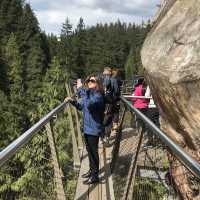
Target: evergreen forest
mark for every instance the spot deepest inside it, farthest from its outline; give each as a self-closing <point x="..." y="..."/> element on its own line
<point x="34" y="67"/>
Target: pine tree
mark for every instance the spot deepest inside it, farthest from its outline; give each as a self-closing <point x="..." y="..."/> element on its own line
<point x="66" y="50"/>
<point x="10" y="13"/>
<point x="66" y="30"/>
<point x="34" y="59"/>
<point x="95" y="57"/>
<point x="80" y="49"/>
<point x="130" y="67"/>
<point x="54" y="46"/>
<point x="14" y="71"/>
<point x="16" y="87"/>
<point x="23" y="64"/>
<point x="3" y="76"/>
<point x="93" y="48"/>
<point x="53" y="90"/>
<point x="53" y="94"/>
<point x="4" y="120"/>
<point x="14" y="113"/>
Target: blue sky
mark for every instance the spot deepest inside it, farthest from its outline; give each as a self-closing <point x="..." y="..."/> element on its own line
<point x="52" y="13"/>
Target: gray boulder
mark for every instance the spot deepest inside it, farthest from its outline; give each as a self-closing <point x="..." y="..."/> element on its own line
<point x="171" y="58"/>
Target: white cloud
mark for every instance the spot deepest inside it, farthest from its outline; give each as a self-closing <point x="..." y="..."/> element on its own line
<point x="51" y="14"/>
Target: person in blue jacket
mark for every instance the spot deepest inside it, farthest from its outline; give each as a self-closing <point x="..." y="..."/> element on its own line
<point x="92" y="104"/>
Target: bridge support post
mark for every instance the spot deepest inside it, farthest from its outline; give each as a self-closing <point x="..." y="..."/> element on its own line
<point x="77" y="121"/>
<point x="128" y="192"/>
<point x="115" y="151"/>
<point x="76" y="156"/>
<point x="57" y="171"/>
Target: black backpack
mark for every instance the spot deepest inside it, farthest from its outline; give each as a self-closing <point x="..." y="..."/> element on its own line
<point x="108" y="90"/>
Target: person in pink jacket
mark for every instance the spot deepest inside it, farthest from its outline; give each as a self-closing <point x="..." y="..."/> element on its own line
<point x="139" y="103"/>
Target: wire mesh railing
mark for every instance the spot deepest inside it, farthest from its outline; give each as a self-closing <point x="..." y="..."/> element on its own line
<point x="40" y="165"/>
<point x="127" y="87"/>
<point x="150" y="166"/>
<point x="28" y="172"/>
<point x="146" y="164"/>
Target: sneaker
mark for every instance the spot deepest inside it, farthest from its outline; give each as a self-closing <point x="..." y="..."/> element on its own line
<point x="105" y="140"/>
<point x="92" y="180"/>
<point x="86" y="175"/>
<point x="148" y="145"/>
<point x="115" y="127"/>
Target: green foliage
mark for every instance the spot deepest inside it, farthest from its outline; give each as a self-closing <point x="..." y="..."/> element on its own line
<point x="79" y="42"/>
<point x="90" y="49"/>
<point x="10" y="13"/>
<point x="130" y="68"/>
<point x="53" y="90"/>
<point x="14" y="68"/>
<point x="66" y="56"/>
<point x="133" y="65"/>
<point x="149" y="189"/>
<point x="66" y="30"/>
<point x="24" y="56"/>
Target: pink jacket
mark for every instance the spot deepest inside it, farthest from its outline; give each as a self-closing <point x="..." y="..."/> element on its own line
<point x="139" y="103"/>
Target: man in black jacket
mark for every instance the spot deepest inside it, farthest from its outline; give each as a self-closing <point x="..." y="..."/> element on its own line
<point x="111" y="93"/>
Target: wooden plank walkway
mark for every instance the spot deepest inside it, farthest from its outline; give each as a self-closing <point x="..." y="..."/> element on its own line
<point x="103" y="190"/>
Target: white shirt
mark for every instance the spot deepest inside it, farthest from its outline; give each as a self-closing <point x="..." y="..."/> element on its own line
<point x="148" y="94"/>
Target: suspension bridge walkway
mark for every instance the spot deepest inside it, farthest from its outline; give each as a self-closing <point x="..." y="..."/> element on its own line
<point x="130" y="167"/>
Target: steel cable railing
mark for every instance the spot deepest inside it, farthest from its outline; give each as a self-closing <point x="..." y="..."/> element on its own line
<point x="187" y="160"/>
<point x="39" y="164"/>
<point x="25" y="137"/>
<point x="140" y="171"/>
<point x="150" y="165"/>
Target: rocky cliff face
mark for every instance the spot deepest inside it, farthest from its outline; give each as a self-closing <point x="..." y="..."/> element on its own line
<point x="171" y="57"/>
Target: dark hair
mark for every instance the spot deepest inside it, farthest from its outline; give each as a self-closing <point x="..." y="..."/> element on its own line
<point x="107" y="69"/>
<point x="98" y="81"/>
<point x="115" y="73"/>
<point x="140" y="81"/>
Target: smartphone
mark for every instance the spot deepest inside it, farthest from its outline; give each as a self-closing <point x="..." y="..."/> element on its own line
<point x="79" y="81"/>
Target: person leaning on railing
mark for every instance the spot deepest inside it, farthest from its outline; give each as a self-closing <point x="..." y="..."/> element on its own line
<point x="140" y="103"/>
<point x="93" y="106"/>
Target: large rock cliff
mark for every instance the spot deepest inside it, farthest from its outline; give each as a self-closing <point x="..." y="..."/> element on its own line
<point x="171" y="58"/>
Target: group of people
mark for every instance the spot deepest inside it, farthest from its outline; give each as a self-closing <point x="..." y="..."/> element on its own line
<point x="99" y="102"/>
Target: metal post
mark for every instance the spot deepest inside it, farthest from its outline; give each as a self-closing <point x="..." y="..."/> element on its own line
<point x="128" y="192"/>
<point x="78" y="128"/>
<point x="57" y="171"/>
<point x="77" y="161"/>
<point x="117" y="142"/>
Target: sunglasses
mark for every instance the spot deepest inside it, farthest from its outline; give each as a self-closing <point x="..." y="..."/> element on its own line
<point x="91" y="80"/>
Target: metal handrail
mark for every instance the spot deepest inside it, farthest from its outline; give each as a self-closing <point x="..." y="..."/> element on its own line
<point x="183" y="157"/>
<point x="137" y="97"/>
<point x="11" y="149"/>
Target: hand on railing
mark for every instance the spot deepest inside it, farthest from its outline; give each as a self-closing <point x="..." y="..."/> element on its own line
<point x="68" y="99"/>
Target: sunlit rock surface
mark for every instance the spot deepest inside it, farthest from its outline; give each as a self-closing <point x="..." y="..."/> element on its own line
<point x="171" y="57"/>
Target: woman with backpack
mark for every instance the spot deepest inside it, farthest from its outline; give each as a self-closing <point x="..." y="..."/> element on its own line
<point x="92" y="104"/>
